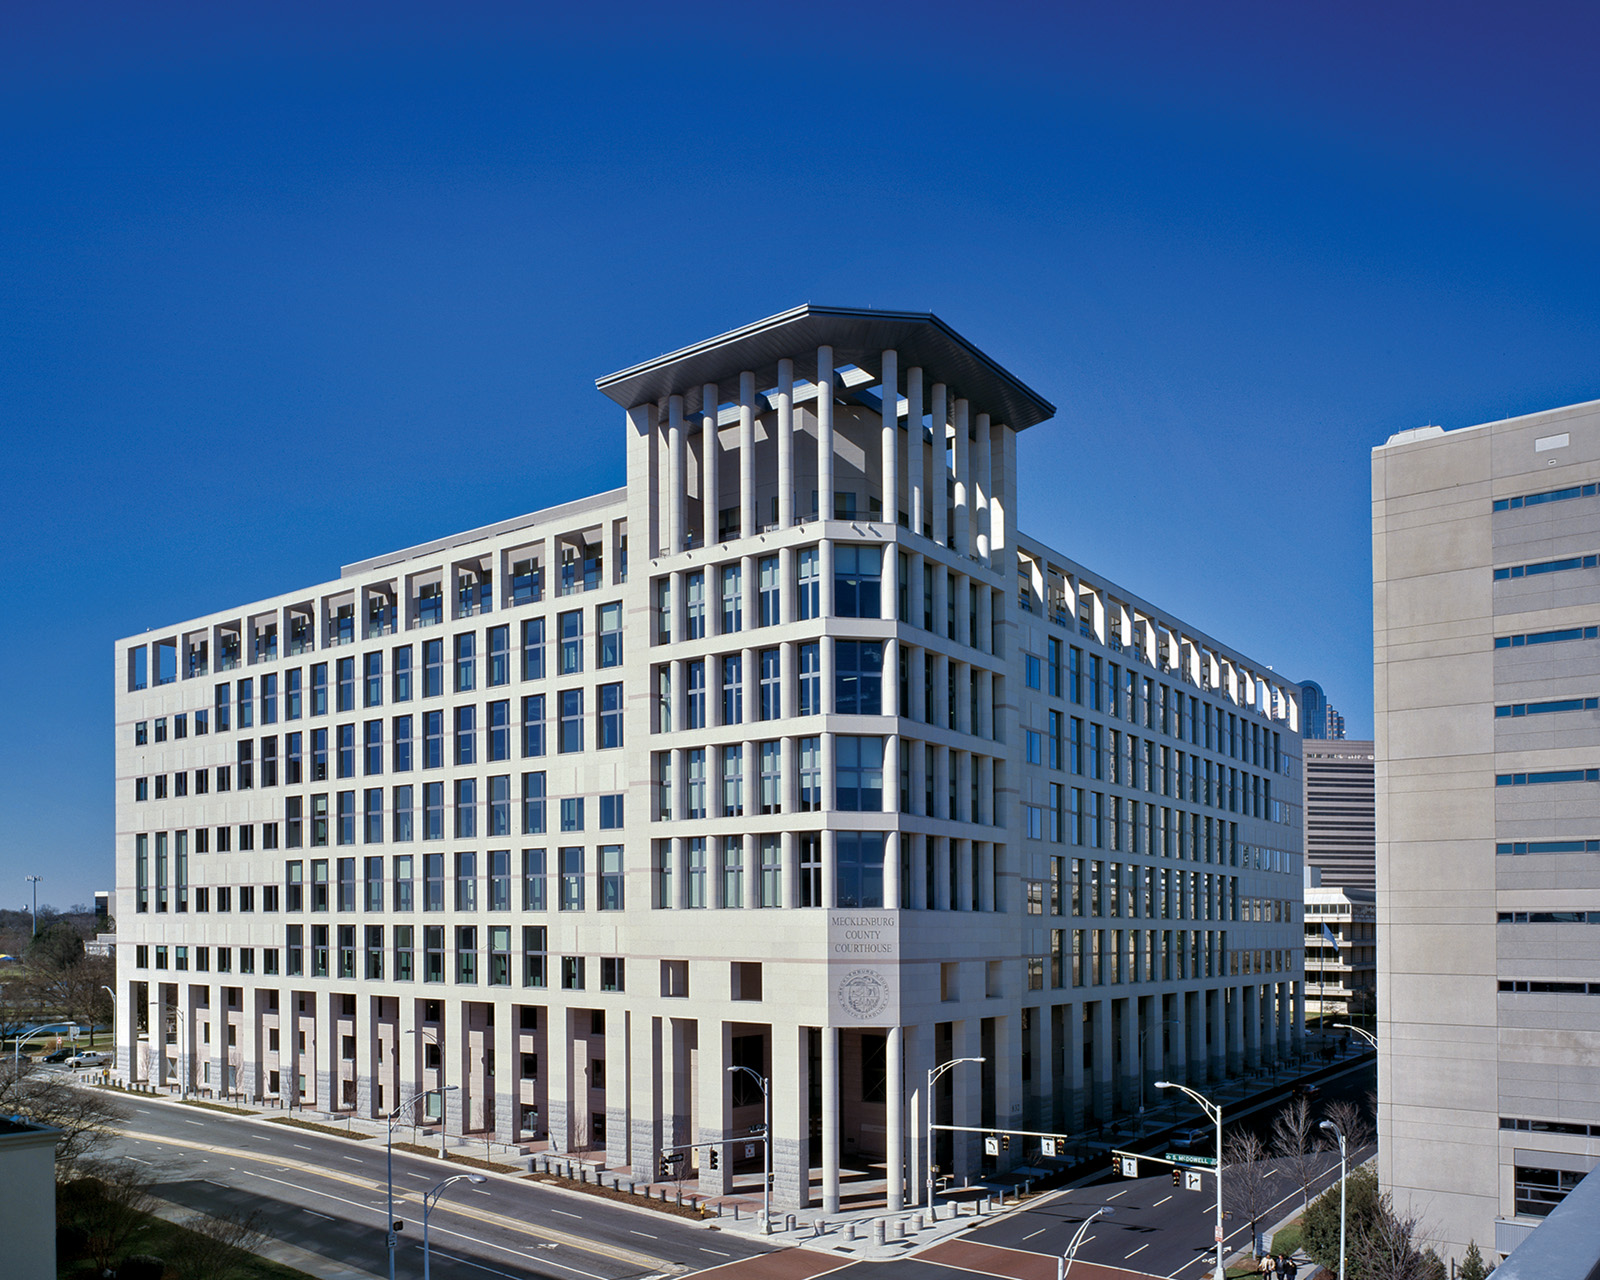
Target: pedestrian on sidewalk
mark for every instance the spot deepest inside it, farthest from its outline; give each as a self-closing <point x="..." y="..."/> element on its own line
<point x="1289" y="1267"/>
<point x="1269" y="1267"/>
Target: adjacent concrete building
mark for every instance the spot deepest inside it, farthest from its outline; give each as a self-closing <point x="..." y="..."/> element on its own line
<point x="1486" y="603"/>
<point x="1341" y="829"/>
<point x="28" y="1206"/>
<point x="794" y="754"/>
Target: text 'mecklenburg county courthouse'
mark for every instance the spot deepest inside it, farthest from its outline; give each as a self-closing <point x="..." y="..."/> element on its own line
<point x="577" y="810"/>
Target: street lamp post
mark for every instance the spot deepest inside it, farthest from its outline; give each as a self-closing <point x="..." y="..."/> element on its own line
<point x="389" y="1235"/>
<point x="1064" y="1262"/>
<point x="34" y="881"/>
<point x="1213" y="1112"/>
<point x="766" y="1146"/>
<point x="933" y="1074"/>
<point x="18" y="1042"/>
<point x="1343" y="1157"/>
<point x="429" y="1199"/>
<point x="1365" y="1035"/>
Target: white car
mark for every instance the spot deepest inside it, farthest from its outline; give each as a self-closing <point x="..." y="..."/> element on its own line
<point x="88" y="1059"/>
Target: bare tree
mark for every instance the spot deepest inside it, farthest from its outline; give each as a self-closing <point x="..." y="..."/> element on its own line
<point x="216" y="1245"/>
<point x="1246" y="1189"/>
<point x="1392" y="1248"/>
<point x="109" y="1202"/>
<point x="85" y="1117"/>
<point x="1350" y="1118"/>
<point x="1294" y="1140"/>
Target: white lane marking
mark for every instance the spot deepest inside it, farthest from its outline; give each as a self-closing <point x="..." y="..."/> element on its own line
<point x="1140" y="1249"/>
<point x="718" y="1252"/>
<point x="194" y="1122"/>
<point x="357" y="1159"/>
<point x="645" y="1234"/>
<point x="136" y="1158"/>
<point x="1160" y="1202"/>
<point x="423" y="1176"/>
<point x="1039" y="1232"/>
<point x="304" y="1148"/>
<point x="324" y="1216"/>
<point x="565" y="1214"/>
<point x="1123" y="1192"/>
<point x="543" y="1258"/>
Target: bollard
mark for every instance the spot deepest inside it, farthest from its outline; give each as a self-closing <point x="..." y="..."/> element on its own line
<point x="736" y="1211"/>
<point x="877" y="1231"/>
<point x="922" y="1222"/>
<point x="788" y="1222"/>
<point x="851" y="1227"/>
<point x="899" y="1228"/>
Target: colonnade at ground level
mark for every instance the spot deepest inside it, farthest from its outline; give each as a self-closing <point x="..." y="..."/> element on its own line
<point x="623" y="1084"/>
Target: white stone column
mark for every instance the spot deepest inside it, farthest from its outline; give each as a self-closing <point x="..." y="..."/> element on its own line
<point x="645" y="1097"/>
<point x="938" y="472"/>
<point x="619" y="1087"/>
<point x="895" y="1122"/>
<point x="891" y="859"/>
<point x="714" y="1108"/>
<point x="825" y="382"/>
<point x="677" y="477"/>
<point x="711" y="475"/>
<point x="791" y="1115"/>
<point x="786" y="469"/>
<point x="642" y="476"/>
<point x="918" y="1061"/>
<point x="507" y="1070"/>
<point x="366" y="1033"/>
<point x="962" y="460"/>
<point x="939" y="891"/>
<point x="830" y="845"/>
<point x="830" y="1107"/>
<point x="1002" y="508"/>
<point x="983" y="484"/>
<point x="966" y="1089"/>
<point x="747" y="455"/>
<point x="558" y="1078"/>
<point x="890" y="443"/>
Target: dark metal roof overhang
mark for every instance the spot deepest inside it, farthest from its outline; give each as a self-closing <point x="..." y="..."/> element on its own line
<point x="858" y="337"/>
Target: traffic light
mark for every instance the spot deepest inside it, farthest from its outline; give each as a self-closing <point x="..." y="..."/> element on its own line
<point x="665" y="1171"/>
<point x="716" y="1157"/>
<point x="1005" y="1142"/>
<point x="1177" y="1176"/>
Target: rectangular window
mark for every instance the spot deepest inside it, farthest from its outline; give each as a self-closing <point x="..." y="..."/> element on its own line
<point x="533" y="649"/>
<point x="732" y="599"/>
<point x="610" y="711"/>
<point x="571" y="862"/>
<point x="857" y="581"/>
<point x="771" y="684"/>
<point x="400" y="677"/>
<point x="500" y="880"/>
<point x="432" y="668"/>
<point x="533" y="726"/>
<point x="372" y="687"/>
<point x="466" y="882"/>
<point x="695" y="768"/>
<point x="695" y="701"/>
<point x="771" y="777"/>
<point x="345" y="686"/>
<point x="809" y="690"/>
<point x="810" y="775"/>
<point x="499" y="643"/>
<point x="858" y="677"/>
<point x="610" y="877"/>
<point x="610" y="639"/>
<point x="526" y="587"/>
<point x="771" y="871"/>
<point x="733" y="689"/>
<point x="809" y="845"/>
<point x="433" y="811"/>
<point x="466" y="665"/>
<point x="571" y="626"/>
<point x="733" y="781"/>
<point x="535" y="956"/>
<point x="533" y="880"/>
<point x="858" y="773"/>
<point x="499" y="805"/>
<point x="572" y="813"/>
<point x="570" y="730"/>
<point x="500" y="955"/>
<point x="402" y="832"/>
<point x="695" y="871"/>
<point x="466" y="738"/>
<point x="808" y="584"/>
<point x="767" y="601"/>
<point x="694" y="605"/>
<point x="401" y="751"/>
<point x="533" y="800"/>
<point x="466" y="808"/>
<point x="733" y="871"/>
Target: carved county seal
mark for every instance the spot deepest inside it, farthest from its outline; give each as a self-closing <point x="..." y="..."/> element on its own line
<point x="862" y="993"/>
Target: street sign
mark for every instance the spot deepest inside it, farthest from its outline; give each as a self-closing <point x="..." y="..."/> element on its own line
<point x="1130" y="1167"/>
<point x="1181" y="1157"/>
<point x="1047" y="1148"/>
<point x="749" y="1151"/>
<point x="1216" y="1234"/>
<point x="991" y="1146"/>
<point x="1191" y="1182"/>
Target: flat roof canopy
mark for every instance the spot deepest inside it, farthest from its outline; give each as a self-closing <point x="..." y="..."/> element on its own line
<point x="858" y="337"/>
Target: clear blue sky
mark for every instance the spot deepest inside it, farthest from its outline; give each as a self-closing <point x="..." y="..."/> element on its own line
<point x="283" y="285"/>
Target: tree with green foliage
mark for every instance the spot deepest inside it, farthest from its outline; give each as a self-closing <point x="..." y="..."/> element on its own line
<point x="1473" y="1266"/>
<point x="1319" y="1234"/>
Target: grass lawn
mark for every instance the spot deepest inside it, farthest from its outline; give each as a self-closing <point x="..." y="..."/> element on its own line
<point x="1287" y="1240"/>
<point x="159" y="1238"/>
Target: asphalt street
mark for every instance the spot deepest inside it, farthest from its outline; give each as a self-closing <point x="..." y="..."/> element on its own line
<point x="328" y="1195"/>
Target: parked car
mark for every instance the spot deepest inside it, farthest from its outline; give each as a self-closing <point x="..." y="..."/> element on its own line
<point x="1199" y="1136"/>
<point x="60" y="1055"/>
<point x="1310" y="1092"/>
<point x="88" y="1059"/>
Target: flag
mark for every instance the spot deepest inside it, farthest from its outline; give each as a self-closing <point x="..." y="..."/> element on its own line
<point x="1327" y="936"/>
